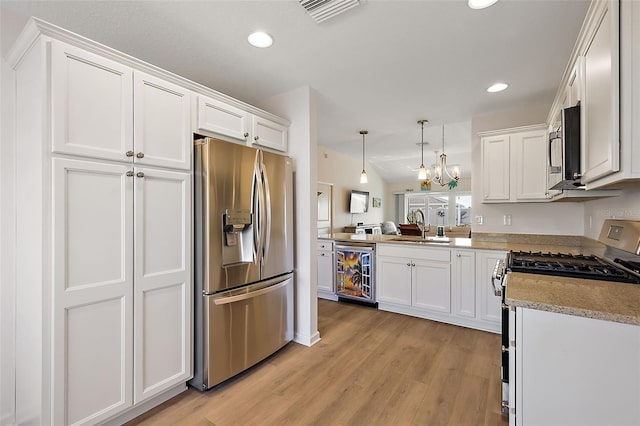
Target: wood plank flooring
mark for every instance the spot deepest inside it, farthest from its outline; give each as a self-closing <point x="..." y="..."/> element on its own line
<point x="370" y="368"/>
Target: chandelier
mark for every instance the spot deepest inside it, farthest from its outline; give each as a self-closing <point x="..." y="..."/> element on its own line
<point x="441" y="173"/>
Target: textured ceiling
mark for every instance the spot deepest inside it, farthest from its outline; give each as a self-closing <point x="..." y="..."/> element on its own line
<point x="380" y="66"/>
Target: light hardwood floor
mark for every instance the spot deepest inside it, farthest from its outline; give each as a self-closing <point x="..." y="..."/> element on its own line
<point x="370" y="368"/>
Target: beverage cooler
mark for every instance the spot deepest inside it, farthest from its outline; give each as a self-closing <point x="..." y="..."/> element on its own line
<point x="355" y="272"/>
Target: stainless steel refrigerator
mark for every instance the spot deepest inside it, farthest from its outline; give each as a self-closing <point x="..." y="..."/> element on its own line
<point x="243" y="236"/>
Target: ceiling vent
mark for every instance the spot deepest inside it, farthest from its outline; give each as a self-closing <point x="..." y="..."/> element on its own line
<point x="321" y="10"/>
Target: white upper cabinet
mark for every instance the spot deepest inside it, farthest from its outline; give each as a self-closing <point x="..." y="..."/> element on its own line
<point x="162" y="125"/>
<point x="601" y="94"/>
<point x="92" y="104"/>
<point x="529" y="150"/>
<point x="102" y="109"/>
<point x="269" y="134"/>
<point x="514" y="165"/>
<point x="221" y="118"/>
<point x="495" y="168"/>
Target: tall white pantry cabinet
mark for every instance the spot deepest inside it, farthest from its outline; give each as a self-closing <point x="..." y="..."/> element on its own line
<point x="103" y="198"/>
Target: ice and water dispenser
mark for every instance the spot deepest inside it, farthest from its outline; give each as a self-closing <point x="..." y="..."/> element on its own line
<point x="237" y="244"/>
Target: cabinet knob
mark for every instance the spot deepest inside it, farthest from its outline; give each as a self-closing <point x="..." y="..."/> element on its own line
<point x="413" y="264"/>
<point x="255" y="138"/>
<point x="246" y="135"/>
<point x="457" y="254"/>
<point x="321" y="254"/>
<point x="140" y="174"/>
<point x="140" y="155"/>
<point x="408" y="264"/>
<point x="130" y="153"/>
<point x="486" y="196"/>
<point x="129" y="173"/>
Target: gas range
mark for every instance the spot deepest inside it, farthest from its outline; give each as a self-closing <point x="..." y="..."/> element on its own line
<point x="572" y="266"/>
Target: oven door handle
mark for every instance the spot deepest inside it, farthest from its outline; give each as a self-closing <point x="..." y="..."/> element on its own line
<point x="497" y="277"/>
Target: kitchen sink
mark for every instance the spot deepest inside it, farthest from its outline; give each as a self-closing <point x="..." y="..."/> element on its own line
<point x="427" y="240"/>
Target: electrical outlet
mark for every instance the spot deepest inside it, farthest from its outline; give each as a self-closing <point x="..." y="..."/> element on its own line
<point x="479" y="220"/>
<point x="507" y="219"/>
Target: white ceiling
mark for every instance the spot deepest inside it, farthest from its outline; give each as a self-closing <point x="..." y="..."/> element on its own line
<point x="380" y="66"/>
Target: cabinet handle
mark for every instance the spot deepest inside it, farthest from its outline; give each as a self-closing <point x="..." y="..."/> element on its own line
<point x="505" y="349"/>
<point x="255" y="138"/>
<point x="129" y="173"/>
<point x="408" y="264"/>
<point x="413" y="264"/>
<point x="140" y="155"/>
<point x="130" y="153"/>
<point x="457" y="254"/>
<point x="321" y="254"/>
<point x="246" y="135"/>
<point x="140" y="174"/>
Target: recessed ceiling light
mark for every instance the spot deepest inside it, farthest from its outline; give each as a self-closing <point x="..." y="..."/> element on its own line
<point x="260" y="39"/>
<point x="481" y="4"/>
<point x="498" y="87"/>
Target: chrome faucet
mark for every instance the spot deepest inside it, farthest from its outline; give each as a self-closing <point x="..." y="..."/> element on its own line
<point x="420" y="223"/>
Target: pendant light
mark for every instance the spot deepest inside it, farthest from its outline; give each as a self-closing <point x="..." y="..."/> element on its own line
<point x="442" y="170"/>
<point x="422" y="173"/>
<point x="363" y="175"/>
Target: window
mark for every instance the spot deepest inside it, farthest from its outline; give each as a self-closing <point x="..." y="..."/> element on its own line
<point x="439" y="209"/>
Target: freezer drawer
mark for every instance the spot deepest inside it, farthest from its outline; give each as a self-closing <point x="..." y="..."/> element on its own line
<point x="245" y="326"/>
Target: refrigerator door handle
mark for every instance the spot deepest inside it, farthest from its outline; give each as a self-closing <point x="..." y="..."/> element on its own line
<point x="256" y="202"/>
<point x="266" y="237"/>
<point x="251" y="294"/>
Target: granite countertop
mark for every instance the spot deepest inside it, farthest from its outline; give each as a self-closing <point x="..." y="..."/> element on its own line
<point x="604" y="300"/>
<point x="555" y="244"/>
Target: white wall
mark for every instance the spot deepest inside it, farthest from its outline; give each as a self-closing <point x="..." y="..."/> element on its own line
<point x="625" y="206"/>
<point x="344" y="173"/>
<point x="559" y="218"/>
<point x="299" y="107"/>
<point x="7" y="249"/>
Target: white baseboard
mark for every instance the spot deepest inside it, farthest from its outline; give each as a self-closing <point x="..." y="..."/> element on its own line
<point x="138" y="410"/>
<point x="446" y="318"/>
<point x="307" y="340"/>
<point x="327" y="296"/>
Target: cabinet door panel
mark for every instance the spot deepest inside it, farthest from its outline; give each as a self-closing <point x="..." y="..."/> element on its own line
<point x="162" y="123"/>
<point x="495" y="168"/>
<point x="394" y="280"/>
<point x="93" y="290"/>
<point x="465" y="283"/>
<point x="531" y="163"/>
<point x="601" y="98"/>
<point x="490" y="304"/>
<point x="92" y="104"/>
<point x="269" y="134"/>
<point x="163" y="288"/>
<point x="217" y="117"/>
<point x="325" y="271"/>
<point x="432" y="286"/>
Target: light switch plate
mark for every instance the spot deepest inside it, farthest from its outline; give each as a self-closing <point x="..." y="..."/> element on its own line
<point x="479" y="220"/>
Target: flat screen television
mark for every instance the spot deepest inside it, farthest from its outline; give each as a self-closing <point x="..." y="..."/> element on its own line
<point x="358" y="201"/>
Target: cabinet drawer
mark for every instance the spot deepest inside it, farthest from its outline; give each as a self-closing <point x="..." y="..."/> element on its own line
<point x="324" y="245"/>
<point x="422" y="253"/>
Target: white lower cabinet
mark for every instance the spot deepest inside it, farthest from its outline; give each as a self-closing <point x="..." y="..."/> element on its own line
<point x="464" y="283"/>
<point x="441" y="284"/>
<point x="326" y="276"/>
<point x="489" y="305"/>
<point x="431" y="285"/>
<point x="121" y="291"/>
<point x="574" y="370"/>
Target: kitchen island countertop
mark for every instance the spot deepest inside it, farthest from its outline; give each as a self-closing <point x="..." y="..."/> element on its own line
<point x="604" y="300"/>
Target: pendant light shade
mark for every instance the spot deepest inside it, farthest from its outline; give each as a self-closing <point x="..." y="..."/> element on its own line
<point x="363" y="175"/>
<point x="422" y="173"/>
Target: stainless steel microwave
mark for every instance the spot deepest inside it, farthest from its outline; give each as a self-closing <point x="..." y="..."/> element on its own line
<point x="564" y="151"/>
